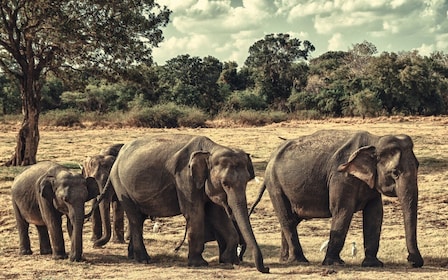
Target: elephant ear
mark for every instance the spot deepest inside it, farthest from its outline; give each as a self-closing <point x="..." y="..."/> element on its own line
<point x="199" y="168"/>
<point x="250" y="167"/>
<point x="92" y="188"/>
<point x="46" y="187"/>
<point x="362" y="165"/>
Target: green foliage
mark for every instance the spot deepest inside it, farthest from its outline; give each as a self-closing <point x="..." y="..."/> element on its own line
<point x="51" y="93"/>
<point x="167" y="115"/>
<point x="10" y="102"/>
<point x="270" y="62"/>
<point x="366" y="104"/>
<point x="193" y="82"/>
<point x="68" y="118"/>
<point x="245" y="100"/>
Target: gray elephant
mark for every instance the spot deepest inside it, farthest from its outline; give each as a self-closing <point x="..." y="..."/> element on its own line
<point x="41" y="195"/>
<point x="335" y="174"/>
<point x="168" y="175"/>
<point x="216" y="230"/>
<point x="98" y="167"/>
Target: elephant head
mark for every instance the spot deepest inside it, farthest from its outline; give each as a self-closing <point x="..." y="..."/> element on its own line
<point x="68" y="192"/>
<point x="99" y="167"/>
<point x="391" y="167"/>
<point x="224" y="174"/>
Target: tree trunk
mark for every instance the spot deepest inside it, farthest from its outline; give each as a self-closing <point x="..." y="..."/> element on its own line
<point x="28" y="137"/>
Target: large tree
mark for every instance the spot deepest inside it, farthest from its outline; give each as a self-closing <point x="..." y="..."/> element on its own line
<point x="270" y="62"/>
<point x="38" y="36"/>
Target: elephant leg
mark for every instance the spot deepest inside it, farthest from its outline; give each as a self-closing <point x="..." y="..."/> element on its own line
<point x="44" y="240"/>
<point x="225" y="233"/>
<point x="372" y="222"/>
<point x="54" y="225"/>
<point x="195" y="236"/>
<point x="118" y="232"/>
<point x="23" y="229"/>
<point x="339" y="227"/>
<point x="97" y="229"/>
<point x="136" y="247"/>
<point x="291" y="250"/>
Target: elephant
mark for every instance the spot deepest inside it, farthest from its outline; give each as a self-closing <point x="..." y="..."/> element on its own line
<point x="335" y="173"/>
<point x="216" y="230"/>
<point x="173" y="174"/>
<point x="43" y="193"/>
<point x="98" y="167"/>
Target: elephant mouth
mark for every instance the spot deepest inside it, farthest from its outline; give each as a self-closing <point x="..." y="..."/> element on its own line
<point x="389" y="191"/>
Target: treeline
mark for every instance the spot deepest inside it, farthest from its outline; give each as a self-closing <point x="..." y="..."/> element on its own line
<point x="278" y="77"/>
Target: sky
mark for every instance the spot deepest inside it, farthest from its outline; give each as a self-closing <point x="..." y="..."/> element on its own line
<point x="225" y="29"/>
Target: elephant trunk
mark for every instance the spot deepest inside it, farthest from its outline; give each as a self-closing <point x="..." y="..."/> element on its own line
<point x="241" y="216"/>
<point x="77" y="221"/>
<point x="407" y="193"/>
<point x="105" y="219"/>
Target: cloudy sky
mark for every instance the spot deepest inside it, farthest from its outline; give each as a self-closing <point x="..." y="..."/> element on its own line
<point x="226" y="29"/>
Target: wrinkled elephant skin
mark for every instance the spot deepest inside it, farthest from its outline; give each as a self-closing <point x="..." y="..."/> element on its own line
<point x="41" y="195"/>
<point x="167" y="175"/>
<point x="335" y="174"/>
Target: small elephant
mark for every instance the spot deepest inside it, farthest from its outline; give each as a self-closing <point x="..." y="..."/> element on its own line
<point x="41" y="195"/>
<point x="226" y="234"/>
<point x="335" y="174"/>
<point x="168" y="175"/>
<point x="98" y="167"/>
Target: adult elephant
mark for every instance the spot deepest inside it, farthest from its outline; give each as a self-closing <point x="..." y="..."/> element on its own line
<point x="41" y="195"/>
<point x="168" y="175"/>
<point x="98" y="167"/>
<point x="335" y="174"/>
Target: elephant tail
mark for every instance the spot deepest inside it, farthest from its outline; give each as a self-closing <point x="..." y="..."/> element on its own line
<point x="260" y="195"/>
<point x="100" y="198"/>
<point x="183" y="240"/>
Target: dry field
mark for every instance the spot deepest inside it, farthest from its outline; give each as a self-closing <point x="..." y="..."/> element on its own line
<point x="71" y="146"/>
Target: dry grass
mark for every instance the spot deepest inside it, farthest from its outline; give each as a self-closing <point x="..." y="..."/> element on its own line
<point x="70" y="146"/>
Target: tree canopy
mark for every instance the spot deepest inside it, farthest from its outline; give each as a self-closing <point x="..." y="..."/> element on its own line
<point x="38" y="36"/>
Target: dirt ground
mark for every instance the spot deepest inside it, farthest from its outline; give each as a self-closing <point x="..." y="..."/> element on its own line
<point x="69" y="146"/>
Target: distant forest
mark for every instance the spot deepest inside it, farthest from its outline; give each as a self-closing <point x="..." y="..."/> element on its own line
<point x="279" y="75"/>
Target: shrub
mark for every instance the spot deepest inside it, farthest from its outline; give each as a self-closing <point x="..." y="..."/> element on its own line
<point x="245" y="100"/>
<point x="67" y="118"/>
<point x="167" y="115"/>
<point x="192" y="117"/>
<point x="256" y="118"/>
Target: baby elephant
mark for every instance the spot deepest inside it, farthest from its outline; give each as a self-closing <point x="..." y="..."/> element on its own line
<point x="41" y="195"/>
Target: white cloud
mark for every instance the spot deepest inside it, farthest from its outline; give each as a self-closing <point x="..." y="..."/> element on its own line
<point x="425" y="49"/>
<point x="226" y="29"/>
<point x="336" y="42"/>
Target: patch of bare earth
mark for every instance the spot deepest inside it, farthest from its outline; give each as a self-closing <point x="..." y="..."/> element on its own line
<point x="71" y="145"/>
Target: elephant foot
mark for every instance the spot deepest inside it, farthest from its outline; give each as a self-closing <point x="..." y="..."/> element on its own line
<point x="45" y="251"/>
<point x="142" y="259"/>
<point x="118" y="240"/>
<point x="229" y="260"/>
<point x="333" y="261"/>
<point x="415" y="260"/>
<point x="25" y="252"/>
<point x="76" y="258"/>
<point x="295" y="259"/>
<point x="197" y="262"/>
<point x="372" y="262"/>
<point x="61" y="256"/>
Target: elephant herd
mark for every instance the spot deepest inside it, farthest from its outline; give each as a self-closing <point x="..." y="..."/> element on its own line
<point x="330" y="173"/>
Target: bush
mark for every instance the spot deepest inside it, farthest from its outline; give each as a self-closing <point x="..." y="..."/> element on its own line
<point x="255" y="118"/>
<point x="167" y="115"/>
<point x="245" y="100"/>
<point x="67" y="118"/>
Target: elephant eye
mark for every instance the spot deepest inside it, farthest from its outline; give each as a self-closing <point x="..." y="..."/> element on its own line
<point x="395" y="173"/>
